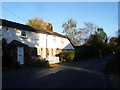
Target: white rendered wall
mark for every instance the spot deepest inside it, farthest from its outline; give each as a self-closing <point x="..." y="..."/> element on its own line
<point x="15" y="34"/>
<point x="37" y="40"/>
<point x="66" y="44"/>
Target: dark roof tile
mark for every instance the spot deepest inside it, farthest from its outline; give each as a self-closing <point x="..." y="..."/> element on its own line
<point x="27" y="28"/>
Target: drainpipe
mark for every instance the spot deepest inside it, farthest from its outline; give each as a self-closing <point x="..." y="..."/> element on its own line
<point x="46" y="45"/>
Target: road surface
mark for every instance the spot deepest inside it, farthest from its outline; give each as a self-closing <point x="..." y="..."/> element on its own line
<point x="83" y="74"/>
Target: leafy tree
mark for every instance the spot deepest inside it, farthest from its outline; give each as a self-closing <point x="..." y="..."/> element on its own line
<point x="39" y="24"/>
<point x="71" y="31"/>
<point x="77" y="35"/>
<point x="101" y="35"/>
<point x="113" y="42"/>
<point x="118" y="48"/>
<point x="98" y="39"/>
<point x="88" y="30"/>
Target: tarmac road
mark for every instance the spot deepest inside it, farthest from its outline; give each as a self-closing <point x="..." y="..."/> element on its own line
<point x="83" y="74"/>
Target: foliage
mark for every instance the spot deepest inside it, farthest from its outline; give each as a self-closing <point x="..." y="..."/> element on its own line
<point x="77" y="35"/>
<point x="113" y="43"/>
<point x="83" y="52"/>
<point x="98" y="39"/>
<point x="117" y="49"/>
<point x="37" y="63"/>
<point x="34" y="60"/>
<point x="40" y="24"/>
<point x="67" y="56"/>
<point x="70" y="30"/>
<point x="102" y="36"/>
<point x="107" y="49"/>
<point x="88" y="30"/>
<point x="113" y="66"/>
<point x="96" y="45"/>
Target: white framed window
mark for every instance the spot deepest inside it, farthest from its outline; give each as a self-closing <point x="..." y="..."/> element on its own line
<point x="41" y="52"/>
<point x="38" y="51"/>
<point x="23" y="33"/>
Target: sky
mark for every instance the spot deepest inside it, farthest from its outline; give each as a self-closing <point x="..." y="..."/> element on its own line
<point x="102" y="14"/>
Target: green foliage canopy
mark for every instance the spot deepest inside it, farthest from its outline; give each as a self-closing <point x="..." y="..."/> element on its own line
<point x="99" y="37"/>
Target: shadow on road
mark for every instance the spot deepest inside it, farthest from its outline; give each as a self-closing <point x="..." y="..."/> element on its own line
<point x="83" y="74"/>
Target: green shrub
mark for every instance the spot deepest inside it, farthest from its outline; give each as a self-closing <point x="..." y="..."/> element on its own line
<point x="107" y="49"/>
<point x="67" y="56"/>
<point x="117" y="51"/>
<point x="83" y="52"/>
<point x="38" y="63"/>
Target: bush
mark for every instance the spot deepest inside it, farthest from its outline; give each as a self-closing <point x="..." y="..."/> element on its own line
<point x="113" y="66"/>
<point x="66" y="56"/>
<point x="107" y="49"/>
<point x="117" y="51"/>
<point x="83" y="52"/>
<point x="38" y="63"/>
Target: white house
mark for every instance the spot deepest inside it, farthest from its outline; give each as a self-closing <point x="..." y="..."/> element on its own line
<point x="45" y="44"/>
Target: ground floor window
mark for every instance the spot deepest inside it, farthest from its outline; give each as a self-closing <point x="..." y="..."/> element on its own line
<point x="41" y="52"/>
<point x="52" y="51"/>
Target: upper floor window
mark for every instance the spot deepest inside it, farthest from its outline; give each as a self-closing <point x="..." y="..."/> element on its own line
<point x="23" y="33"/>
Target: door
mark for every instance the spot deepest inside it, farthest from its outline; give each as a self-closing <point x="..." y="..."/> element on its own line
<point x="20" y="55"/>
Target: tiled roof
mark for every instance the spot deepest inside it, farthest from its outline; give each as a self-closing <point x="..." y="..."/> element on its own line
<point x="16" y="43"/>
<point x="11" y="24"/>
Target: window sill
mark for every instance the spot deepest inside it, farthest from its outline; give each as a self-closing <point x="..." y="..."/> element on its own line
<point x="24" y="37"/>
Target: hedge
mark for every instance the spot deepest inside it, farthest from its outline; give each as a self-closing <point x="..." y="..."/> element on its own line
<point x="67" y="56"/>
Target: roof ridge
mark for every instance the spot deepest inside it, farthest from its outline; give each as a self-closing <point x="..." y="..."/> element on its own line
<point x="28" y="28"/>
